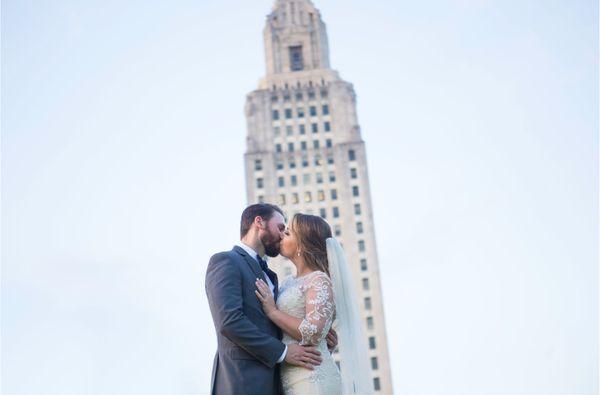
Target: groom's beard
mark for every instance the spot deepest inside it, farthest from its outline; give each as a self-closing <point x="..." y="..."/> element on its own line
<point x="271" y="244"/>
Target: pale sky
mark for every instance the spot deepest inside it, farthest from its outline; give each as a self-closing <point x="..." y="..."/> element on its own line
<point x="122" y="172"/>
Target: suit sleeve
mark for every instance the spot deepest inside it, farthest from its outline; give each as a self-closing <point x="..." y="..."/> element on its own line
<point x="224" y="291"/>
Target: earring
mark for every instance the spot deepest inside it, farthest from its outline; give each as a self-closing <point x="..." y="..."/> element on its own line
<point x="298" y="253"/>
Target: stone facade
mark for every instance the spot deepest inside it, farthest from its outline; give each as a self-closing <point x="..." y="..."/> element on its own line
<point x="305" y="153"/>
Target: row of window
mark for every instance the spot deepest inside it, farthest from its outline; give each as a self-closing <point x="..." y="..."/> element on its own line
<point x="308" y="196"/>
<point x="299" y="96"/>
<point x="300" y="113"/>
<point x="314" y="128"/>
<point x="318" y="161"/>
<point x="316" y="144"/>
<point x="258" y="165"/>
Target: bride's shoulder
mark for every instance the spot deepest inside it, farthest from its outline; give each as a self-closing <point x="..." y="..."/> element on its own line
<point x="317" y="277"/>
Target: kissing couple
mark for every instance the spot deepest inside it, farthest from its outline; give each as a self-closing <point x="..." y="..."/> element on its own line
<point x="278" y="339"/>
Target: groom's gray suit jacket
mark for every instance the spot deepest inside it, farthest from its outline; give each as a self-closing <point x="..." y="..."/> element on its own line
<point x="249" y="344"/>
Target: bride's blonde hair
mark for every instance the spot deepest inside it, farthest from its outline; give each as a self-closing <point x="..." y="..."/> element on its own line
<point x="311" y="233"/>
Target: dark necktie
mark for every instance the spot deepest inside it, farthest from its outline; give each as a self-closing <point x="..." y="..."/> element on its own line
<point x="270" y="274"/>
<point x="263" y="264"/>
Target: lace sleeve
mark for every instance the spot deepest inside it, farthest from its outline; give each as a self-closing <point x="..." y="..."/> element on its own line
<point x="320" y="309"/>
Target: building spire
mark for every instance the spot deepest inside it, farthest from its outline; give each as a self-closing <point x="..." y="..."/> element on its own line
<point x="295" y="38"/>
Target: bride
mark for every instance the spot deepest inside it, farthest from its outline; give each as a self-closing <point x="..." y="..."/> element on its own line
<point x="307" y="305"/>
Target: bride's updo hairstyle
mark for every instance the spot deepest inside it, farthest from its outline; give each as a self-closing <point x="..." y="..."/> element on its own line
<point x="311" y="233"/>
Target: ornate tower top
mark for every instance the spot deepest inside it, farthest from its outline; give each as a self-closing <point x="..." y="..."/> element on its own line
<point x="295" y="38"/>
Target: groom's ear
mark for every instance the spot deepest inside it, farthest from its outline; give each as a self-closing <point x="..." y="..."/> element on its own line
<point x="260" y="222"/>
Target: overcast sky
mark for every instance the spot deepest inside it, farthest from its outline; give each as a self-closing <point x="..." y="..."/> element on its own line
<point x="122" y="171"/>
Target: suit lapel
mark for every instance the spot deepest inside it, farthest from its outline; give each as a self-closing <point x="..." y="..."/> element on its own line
<point x="250" y="261"/>
<point x="257" y="270"/>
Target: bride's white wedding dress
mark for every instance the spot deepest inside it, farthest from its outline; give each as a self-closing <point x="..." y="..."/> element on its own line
<point x="310" y="297"/>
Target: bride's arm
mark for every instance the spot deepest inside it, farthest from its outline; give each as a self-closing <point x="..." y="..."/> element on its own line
<point x="320" y="308"/>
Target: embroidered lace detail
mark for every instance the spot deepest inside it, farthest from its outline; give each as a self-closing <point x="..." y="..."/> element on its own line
<point x="310" y="297"/>
<point x="320" y="309"/>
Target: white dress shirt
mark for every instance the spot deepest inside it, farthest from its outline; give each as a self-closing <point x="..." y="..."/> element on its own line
<point x="254" y="255"/>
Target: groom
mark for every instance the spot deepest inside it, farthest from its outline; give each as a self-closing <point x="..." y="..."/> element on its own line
<point x="249" y="347"/>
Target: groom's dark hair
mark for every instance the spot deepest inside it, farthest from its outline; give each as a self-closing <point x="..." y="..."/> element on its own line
<point x="263" y="210"/>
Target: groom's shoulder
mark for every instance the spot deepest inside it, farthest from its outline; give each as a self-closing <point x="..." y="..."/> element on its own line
<point x="224" y="256"/>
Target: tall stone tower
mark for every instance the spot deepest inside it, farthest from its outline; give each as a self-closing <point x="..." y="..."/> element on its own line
<point x="305" y="152"/>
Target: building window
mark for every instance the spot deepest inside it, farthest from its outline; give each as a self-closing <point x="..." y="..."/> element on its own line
<point x="319" y="177"/>
<point x="291" y="149"/>
<point x="302" y="128"/>
<point x="351" y="155"/>
<point x="311" y="95"/>
<point x="316" y="144"/>
<point x="288" y="113"/>
<point x="275" y="115"/>
<point x="327" y="126"/>
<point x="313" y="111"/>
<point x="363" y="264"/>
<point x="292" y="163"/>
<point x="325" y="109"/>
<point x="274" y="98"/>
<point x="296" y="62"/>
<point x="365" y="284"/>
<point x="321" y="196"/>
<point x="277" y="130"/>
<point x="330" y="159"/>
<point x="318" y="161"/>
<point x="372" y="344"/>
<point x="359" y="227"/>
<point x="307" y="197"/>
<point x="281" y="181"/>
<point x="338" y="230"/>
<point x="328" y="143"/>
<point x="261" y="199"/>
<point x="334" y="194"/>
<point x="289" y="131"/>
<point x="355" y="190"/>
<point x="278" y="147"/>
<point x="374" y="364"/>
<point x="336" y="212"/>
<point x="323" y="93"/>
<point x="331" y="176"/>
<point x="279" y="165"/>
<point x="368" y="306"/>
<point x="259" y="183"/>
<point x="369" y="322"/>
<point x="294" y="180"/>
<point x="300" y="112"/>
<point x="376" y="384"/>
<point x="303" y="145"/>
<point x="282" y="199"/>
<point x="257" y="164"/>
<point x="323" y="213"/>
<point x="295" y="198"/>
<point x="357" y="209"/>
<point x="299" y="96"/>
<point x="361" y="245"/>
<point x="306" y="179"/>
<point x="304" y="162"/>
<point x="353" y="173"/>
<point x="286" y="97"/>
<point x="315" y="128"/>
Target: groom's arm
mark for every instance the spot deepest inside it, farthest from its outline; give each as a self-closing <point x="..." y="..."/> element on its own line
<point x="224" y="291"/>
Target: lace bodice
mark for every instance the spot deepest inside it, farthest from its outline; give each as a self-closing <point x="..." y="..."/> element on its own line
<point x="309" y="297"/>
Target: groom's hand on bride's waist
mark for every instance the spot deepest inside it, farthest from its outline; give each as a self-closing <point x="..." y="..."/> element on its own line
<point x="305" y="356"/>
